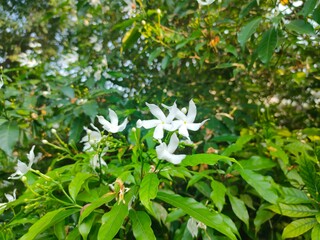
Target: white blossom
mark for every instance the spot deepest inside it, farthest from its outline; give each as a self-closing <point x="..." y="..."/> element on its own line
<point x="91" y="139"/>
<point x="205" y="2"/>
<point x="112" y="126"/>
<point x="10" y="198"/>
<point x="165" y="152"/>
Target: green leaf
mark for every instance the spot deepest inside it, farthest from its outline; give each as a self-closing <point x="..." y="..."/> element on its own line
<point x="308" y="7"/>
<point x="239" y="209"/>
<point x="310" y="177"/>
<point x="112" y="221"/>
<point x="200" y="212"/>
<point x="315" y="232"/>
<point x="316" y="14"/>
<point x="218" y="194"/>
<point x="204" y="158"/>
<point x="87" y="209"/>
<point x="48" y="220"/>
<point x="148" y="189"/>
<point x="262" y="184"/>
<point x="298" y="227"/>
<point x="153" y="55"/>
<point x="238" y="145"/>
<point x="267" y="45"/>
<point x="76" y="130"/>
<point x="246" y="9"/>
<point x="68" y="92"/>
<point x="293" y="210"/>
<point x="86" y="225"/>
<point x="249" y="29"/>
<point x="141" y="225"/>
<point x="76" y="183"/>
<point x="130" y="38"/>
<point x="300" y="26"/>
<point x="90" y="109"/>
<point x="277" y="152"/>
<point x="294" y="196"/>
<point x="262" y="216"/>
<point x="9" y="135"/>
<point x="257" y="163"/>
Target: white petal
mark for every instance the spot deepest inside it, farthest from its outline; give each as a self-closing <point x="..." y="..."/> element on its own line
<point x="192" y="112"/>
<point x="123" y="125"/>
<point x="156" y="111"/>
<point x="105" y="124"/>
<point x="158" y="132"/>
<point x="183" y="130"/>
<point x="195" y="126"/>
<point x="22" y="167"/>
<point x="172" y="113"/>
<point x="149" y="123"/>
<point x="206" y="2"/>
<point x="161" y="150"/>
<point x="173" y="144"/>
<point x="175" y="159"/>
<point x="113" y="117"/>
<point x="30" y="155"/>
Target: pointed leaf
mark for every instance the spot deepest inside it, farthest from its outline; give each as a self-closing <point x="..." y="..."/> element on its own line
<point x="300" y="26"/>
<point x="148" y="189"/>
<point x="315" y="232"/>
<point x="293" y="210"/>
<point x="48" y="220"/>
<point x="130" y="38"/>
<point x="86" y="225"/>
<point x="77" y="182"/>
<point x="96" y="204"/>
<point x="9" y="135"/>
<point x="267" y="45"/>
<point x="238" y="145"/>
<point x="249" y="29"/>
<point x="308" y="7"/>
<point x="199" y="212"/>
<point x="316" y="14"/>
<point x="262" y="184"/>
<point x="298" y="227"/>
<point x="218" y="194"/>
<point x="262" y="216"/>
<point x="112" y="221"/>
<point x="239" y="209"/>
<point x="204" y="158"/>
<point x="141" y="225"/>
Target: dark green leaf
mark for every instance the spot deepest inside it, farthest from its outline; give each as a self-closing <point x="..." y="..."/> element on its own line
<point x="308" y="7"/>
<point x="76" y="130"/>
<point x="249" y="29"/>
<point x="199" y="212"/>
<point x="316" y="14"/>
<point x="148" y="189"/>
<point x="9" y="135"/>
<point x="267" y="45"/>
<point x="262" y="216"/>
<point x="153" y="55"/>
<point x="300" y="26"/>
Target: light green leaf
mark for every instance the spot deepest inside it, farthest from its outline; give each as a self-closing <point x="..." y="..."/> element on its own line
<point x="293" y="210"/>
<point x="130" y="38"/>
<point x="239" y="209"/>
<point x="315" y="232"/>
<point x="267" y="45"/>
<point x="141" y="225"/>
<point x="277" y="152"/>
<point x="218" y="194"/>
<point x="249" y="29"/>
<point x="148" y="189"/>
<point x="85" y="226"/>
<point x="298" y="227"/>
<point x="300" y="26"/>
<point x="308" y="7"/>
<point x="294" y="196"/>
<point x="262" y="184"/>
<point x="257" y="163"/>
<point x="87" y="209"/>
<point x="48" y="220"/>
<point x="199" y="212"/>
<point x="204" y="158"/>
<point x="238" y="145"/>
<point x="112" y="221"/>
<point x="9" y="135"/>
<point x="77" y="182"/>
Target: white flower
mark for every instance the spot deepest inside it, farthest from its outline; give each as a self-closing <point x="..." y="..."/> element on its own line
<point x="130" y="8"/>
<point x="10" y="198"/>
<point x="95" y="161"/>
<point x="26" y="60"/>
<point x="94" y="3"/>
<point x="112" y="126"/>
<point x="186" y="122"/>
<point x="23" y="168"/>
<point x="165" y="152"/>
<point x="92" y="138"/>
<point x="161" y="123"/>
<point x="193" y="225"/>
<point x="205" y="2"/>
<point x="1" y="82"/>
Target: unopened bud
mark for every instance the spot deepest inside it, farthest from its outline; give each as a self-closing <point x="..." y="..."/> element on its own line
<point x="143" y="22"/>
<point x="184" y="110"/>
<point x="44" y="141"/>
<point x="134" y="129"/>
<point x="24" y="179"/>
<point x="158" y="11"/>
<point x="53" y="131"/>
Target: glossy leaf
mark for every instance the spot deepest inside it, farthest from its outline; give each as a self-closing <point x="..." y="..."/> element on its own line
<point x="300" y="26"/>
<point x="96" y="204"/>
<point x="267" y="45"/>
<point x="204" y="158"/>
<point x="76" y="183"/>
<point x="85" y="226"/>
<point x="9" y="135"/>
<point x="247" y="31"/>
<point x="130" y="38"/>
<point x="218" y="194"/>
<point x="148" y="189"/>
<point x="298" y="227"/>
<point x="262" y="184"/>
<point x="199" y="212"/>
<point x="239" y="209"/>
<point x="48" y="220"/>
<point x="112" y="221"/>
<point x="315" y="232"/>
<point x="293" y="210"/>
<point x="141" y="225"/>
<point x="294" y="196"/>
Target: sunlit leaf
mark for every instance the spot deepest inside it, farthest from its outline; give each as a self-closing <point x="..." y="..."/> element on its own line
<point x="76" y="183"/>
<point x="199" y="212"/>
<point x="239" y="209"/>
<point x="210" y="159"/>
<point x="218" y="194"/>
<point x="141" y="225"/>
<point x="298" y="227"/>
<point x="315" y="232"/>
<point x="148" y="189"/>
<point x="293" y="210"/>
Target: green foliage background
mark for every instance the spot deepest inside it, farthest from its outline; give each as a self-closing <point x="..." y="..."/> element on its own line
<point x="251" y="68"/>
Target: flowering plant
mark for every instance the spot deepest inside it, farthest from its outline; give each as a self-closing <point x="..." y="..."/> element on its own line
<point x="116" y="181"/>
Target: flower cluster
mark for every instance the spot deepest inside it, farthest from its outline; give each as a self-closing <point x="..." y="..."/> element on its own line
<point x="176" y="120"/>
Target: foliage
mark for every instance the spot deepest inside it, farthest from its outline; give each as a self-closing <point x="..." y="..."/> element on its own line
<point x="252" y="171"/>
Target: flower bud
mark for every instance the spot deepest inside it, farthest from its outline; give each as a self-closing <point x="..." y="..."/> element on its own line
<point x="44" y="141"/>
<point x="158" y="11"/>
<point x="184" y="110"/>
<point x="143" y="22"/>
<point x="134" y="129"/>
<point x="53" y="131"/>
<point x="24" y="179"/>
